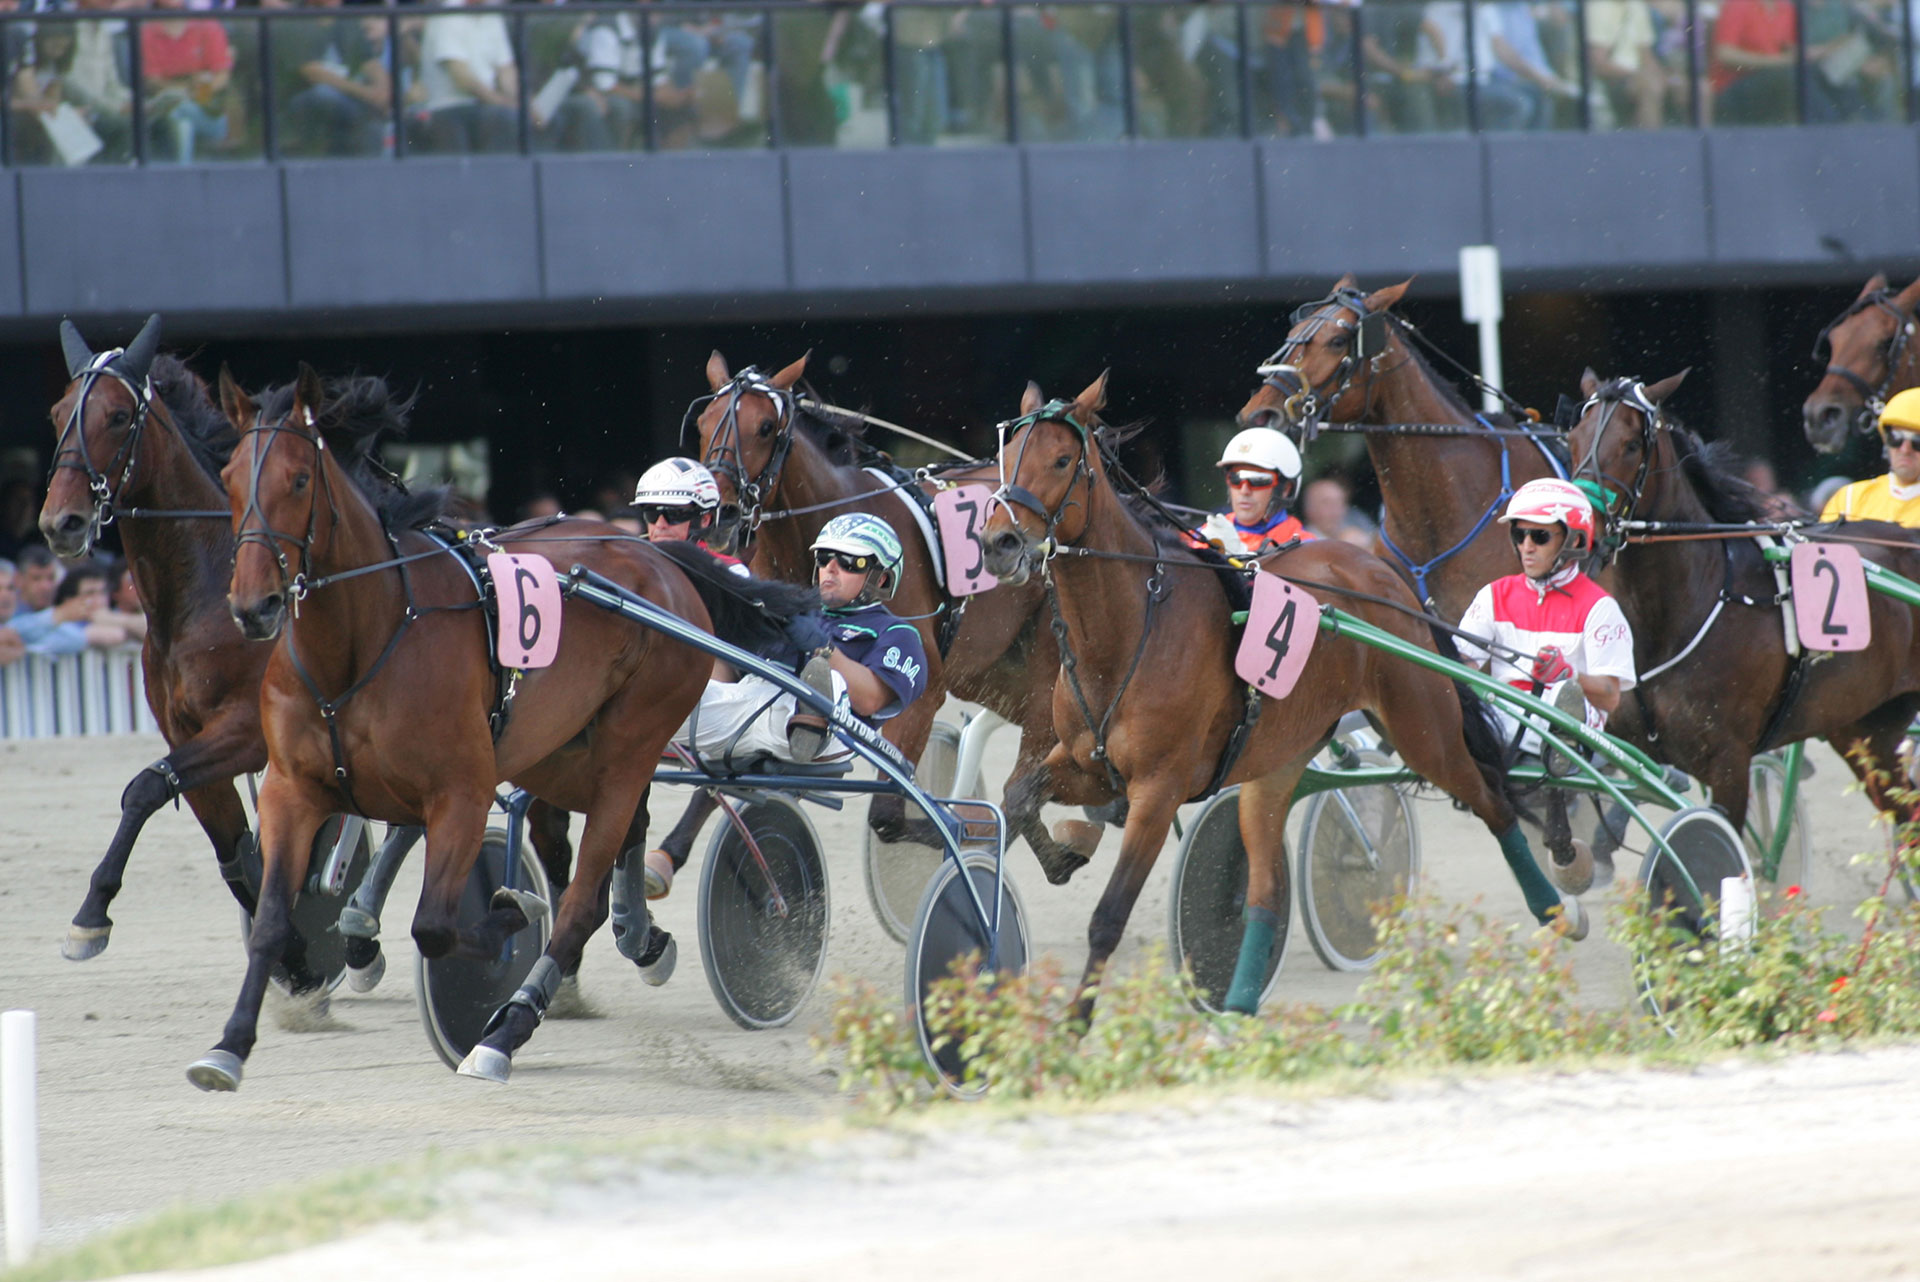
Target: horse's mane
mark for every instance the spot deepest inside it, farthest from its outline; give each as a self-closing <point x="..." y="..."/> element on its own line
<point x="1167" y="532"/>
<point x="1709" y="466"/>
<point x="839" y="434"/>
<point x="1444" y="385"/>
<point x="209" y="437"/>
<point x="360" y="411"/>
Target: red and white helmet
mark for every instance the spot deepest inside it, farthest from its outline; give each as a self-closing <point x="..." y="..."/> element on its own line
<point x="1551" y="501"/>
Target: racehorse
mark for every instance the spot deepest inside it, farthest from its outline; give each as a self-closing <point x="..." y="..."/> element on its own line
<point x="786" y="466"/>
<point x="380" y="699"/>
<point x="1870" y="356"/>
<point x="1445" y="472"/>
<point x="1149" y="706"/>
<point x="1717" y="685"/>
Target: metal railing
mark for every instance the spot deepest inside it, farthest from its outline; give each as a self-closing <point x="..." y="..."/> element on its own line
<point x="173" y="87"/>
<point x="94" y="692"/>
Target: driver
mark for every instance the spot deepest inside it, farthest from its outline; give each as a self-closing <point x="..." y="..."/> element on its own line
<point x="1894" y="497"/>
<point x="1262" y="471"/>
<point x="678" y="499"/>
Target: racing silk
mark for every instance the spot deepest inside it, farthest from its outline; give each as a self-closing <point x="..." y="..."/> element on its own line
<point x="877" y="639"/>
<point x="1879" y="499"/>
<point x="1279" y="528"/>
<point x="733" y="563"/>
<point x="1570" y="611"/>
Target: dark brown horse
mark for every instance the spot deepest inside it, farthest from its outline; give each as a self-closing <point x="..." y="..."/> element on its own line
<point x="1155" y="700"/>
<point x="1870" y="355"/>
<point x="1349" y="361"/>
<point x="1719" y="685"/>
<point x="378" y="695"/>
<point x="786" y="466"/>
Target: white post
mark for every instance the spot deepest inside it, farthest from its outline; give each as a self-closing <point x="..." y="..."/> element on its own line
<point x="1481" y="303"/>
<point x="1736" y="913"/>
<point x="19" y="1135"/>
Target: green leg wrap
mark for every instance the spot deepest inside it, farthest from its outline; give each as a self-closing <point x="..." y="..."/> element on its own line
<point x="1542" y="898"/>
<point x="1250" y="974"/>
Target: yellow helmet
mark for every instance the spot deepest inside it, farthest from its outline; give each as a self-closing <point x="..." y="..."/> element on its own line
<point x="1902" y="412"/>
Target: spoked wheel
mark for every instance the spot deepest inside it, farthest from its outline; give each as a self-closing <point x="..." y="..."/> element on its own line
<point x="898" y="871"/>
<point x="946" y="929"/>
<point x="764" y="918"/>
<point x="315" y="916"/>
<point x="1708" y="851"/>
<point x="1358" y="847"/>
<point x="458" y="995"/>
<point x="1767" y="788"/>
<point x="1207" y="907"/>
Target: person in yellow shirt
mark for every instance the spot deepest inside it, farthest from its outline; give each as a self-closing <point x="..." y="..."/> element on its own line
<point x="1894" y="497"/>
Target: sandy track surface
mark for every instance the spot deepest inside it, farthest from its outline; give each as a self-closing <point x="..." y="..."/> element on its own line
<point x="124" y="1134"/>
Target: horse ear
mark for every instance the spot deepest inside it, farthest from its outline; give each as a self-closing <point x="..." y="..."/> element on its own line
<point x="309" y="394"/>
<point x="1589" y="382"/>
<point x="1910" y="295"/>
<point x="1659" y="392"/>
<point x="1031" y="399"/>
<point x="137" y="360"/>
<point x="1345" y="282"/>
<point x="1094" y="399"/>
<point x="793" y="373"/>
<point x="1873" y="286"/>
<point x="1382" y="299"/>
<point x="718" y="375"/>
<point x="234" y="403"/>
<point x="74" y="348"/>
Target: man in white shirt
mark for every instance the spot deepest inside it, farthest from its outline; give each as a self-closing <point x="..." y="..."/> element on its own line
<point x="472" y="83"/>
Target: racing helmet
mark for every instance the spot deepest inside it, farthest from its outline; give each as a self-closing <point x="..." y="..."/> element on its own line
<point x="1902" y="413"/>
<point x="679" y="483"/>
<point x="861" y="534"/>
<point x="1263" y="447"/>
<point x="1552" y="501"/>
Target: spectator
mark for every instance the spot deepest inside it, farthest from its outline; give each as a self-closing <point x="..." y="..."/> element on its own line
<point x="1780" y="504"/>
<point x="125" y="597"/>
<point x="1753" y="62"/>
<point x="1407" y="73"/>
<point x="19" y="516"/>
<point x="39" y="576"/>
<point x="472" y="84"/>
<point x="11" y="645"/>
<point x="541" y="506"/>
<point x="69" y="625"/>
<point x="185" y="66"/>
<point x="98" y="77"/>
<point x="1326" y="509"/>
<point x="1631" y="83"/>
<point x="340" y="91"/>
<point x="1516" y="82"/>
<point x="37" y="98"/>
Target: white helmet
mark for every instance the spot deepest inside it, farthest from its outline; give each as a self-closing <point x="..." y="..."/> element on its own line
<point x="861" y="534"/>
<point x="1263" y="447"/>
<point x="677" y="482"/>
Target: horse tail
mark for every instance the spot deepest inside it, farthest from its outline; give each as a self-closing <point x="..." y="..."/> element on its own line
<point x="754" y="614"/>
<point x="1482" y="732"/>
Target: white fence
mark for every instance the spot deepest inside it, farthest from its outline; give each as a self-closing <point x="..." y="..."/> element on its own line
<point x="97" y="692"/>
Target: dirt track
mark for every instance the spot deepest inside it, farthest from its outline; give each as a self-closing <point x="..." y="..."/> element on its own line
<point x="123" y="1133"/>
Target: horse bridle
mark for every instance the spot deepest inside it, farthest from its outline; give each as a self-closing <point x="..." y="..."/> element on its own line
<point x="1304" y="404"/>
<point x="263" y="532"/>
<point x="1010" y="496"/>
<point x="723" y="454"/>
<point x="1873" y="396"/>
<point x="99" y="483"/>
<point x="1632" y="393"/>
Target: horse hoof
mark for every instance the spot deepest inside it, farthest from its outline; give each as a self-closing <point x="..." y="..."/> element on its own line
<point x="487" y="1064"/>
<point x="215" y="1071"/>
<point x="1576" y="875"/>
<point x="364" y="979"/>
<point x="83" y="942"/>
<point x="531" y="906"/>
<point x="660" y="969"/>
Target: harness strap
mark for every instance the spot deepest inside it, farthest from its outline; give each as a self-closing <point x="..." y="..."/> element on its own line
<point x="1069" y="668"/>
<point x="1236" y="744"/>
<point x="1419" y="572"/>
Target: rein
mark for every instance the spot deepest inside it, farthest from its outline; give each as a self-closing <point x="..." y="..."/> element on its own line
<point x="724" y="455"/>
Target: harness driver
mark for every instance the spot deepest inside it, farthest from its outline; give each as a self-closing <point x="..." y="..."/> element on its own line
<point x="1894" y="497"/>
<point x="1262" y="471"/>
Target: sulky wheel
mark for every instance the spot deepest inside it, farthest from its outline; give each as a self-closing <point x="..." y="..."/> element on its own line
<point x="458" y="995"/>
<point x="764" y="916"/>
<point x="1708" y="851"/>
<point x="898" y="871"/>
<point x="315" y="916"/>
<point x="1358" y="847"/>
<point x="1767" y="784"/>
<point x="947" y="930"/>
<point x="1208" y="903"/>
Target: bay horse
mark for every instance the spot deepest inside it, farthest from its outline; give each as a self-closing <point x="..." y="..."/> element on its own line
<point x="786" y="466"/>
<point x="378" y="697"/>
<point x="1717" y="684"/>
<point x="1445" y="471"/>
<point x="1154" y="702"/>
<point x="1870" y="355"/>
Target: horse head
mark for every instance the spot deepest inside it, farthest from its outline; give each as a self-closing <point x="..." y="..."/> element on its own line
<point x="1048" y="463"/>
<point x="1869" y="356"/>
<point x="273" y="483"/>
<point x="1622" y="454"/>
<point x="97" y="424"/>
<point x="1323" y="371"/>
<point x="745" y="428"/>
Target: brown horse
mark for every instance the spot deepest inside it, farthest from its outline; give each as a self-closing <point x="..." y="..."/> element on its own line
<point x="1719" y="685"/>
<point x="379" y="698"/>
<point x="1870" y="356"/>
<point x="786" y="466"/>
<point x="1349" y="362"/>
<point x="1154" y="701"/>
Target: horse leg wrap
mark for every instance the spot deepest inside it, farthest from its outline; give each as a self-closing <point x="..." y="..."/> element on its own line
<point x="1250" y="974"/>
<point x="543" y="981"/>
<point x="628" y="908"/>
<point x="163" y="768"/>
<point x="1541" y="897"/>
<point x="234" y="869"/>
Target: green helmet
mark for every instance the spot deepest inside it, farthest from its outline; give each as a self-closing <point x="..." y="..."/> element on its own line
<point x="863" y="534"/>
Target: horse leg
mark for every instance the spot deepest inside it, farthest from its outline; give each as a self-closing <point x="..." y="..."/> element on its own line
<point x="1264" y="804"/>
<point x="456" y="825"/>
<point x="547" y="830"/>
<point x="677" y="845"/>
<point x="1149" y="816"/>
<point x="1057" y="779"/>
<point x="1881" y="733"/>
<point x="360" y="919"/>
<point x="289" y="818"/>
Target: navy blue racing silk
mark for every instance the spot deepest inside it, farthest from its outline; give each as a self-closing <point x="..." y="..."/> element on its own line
<point x="874" y="637"/>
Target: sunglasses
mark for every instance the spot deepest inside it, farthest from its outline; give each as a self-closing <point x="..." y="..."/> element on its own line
<point x="1539" y="538"/>
<point x="1906" y="440"/>
<point x="1252" y="480"/>
<point x="671" y="515"/>
<point x="848" y="561"/>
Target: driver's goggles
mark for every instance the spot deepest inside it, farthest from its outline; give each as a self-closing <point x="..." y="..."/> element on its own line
<point x="848" y="561"/>
<point x="649" y="513"/>
<point x="1242" y="480"/>
<point x="1910" y="440"/>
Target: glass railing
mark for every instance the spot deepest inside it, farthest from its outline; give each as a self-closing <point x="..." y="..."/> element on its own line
<point x="104" y="86"/>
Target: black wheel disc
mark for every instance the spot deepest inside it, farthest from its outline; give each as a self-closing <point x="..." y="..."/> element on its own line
<point x="458" y="995"/>
<point x="315" y="916"/>
<point x="897" y="872"/>
<point x="946" y="930"/>
<point x="1341" y="879"/>
<point x="1709" y="850"/>
<point x="1209" y="900"/>
<point x="762" y="962"/>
